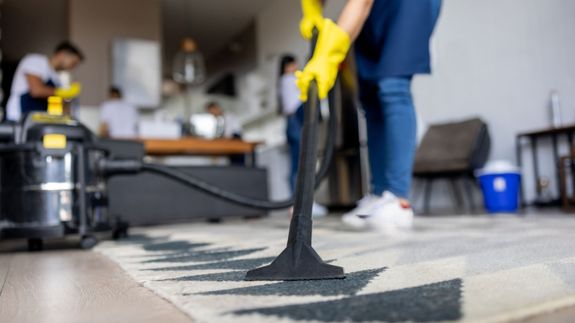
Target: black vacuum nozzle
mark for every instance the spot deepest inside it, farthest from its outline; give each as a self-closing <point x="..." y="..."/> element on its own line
<point x="299" y="261"/>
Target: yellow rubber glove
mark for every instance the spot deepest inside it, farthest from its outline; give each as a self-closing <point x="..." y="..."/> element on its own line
<point x="312" y="17"/>
<point x="69" y="93"/>
<point x="332" y="46"/>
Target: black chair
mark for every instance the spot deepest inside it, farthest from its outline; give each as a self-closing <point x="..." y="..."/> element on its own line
<point x="452" y="151"/>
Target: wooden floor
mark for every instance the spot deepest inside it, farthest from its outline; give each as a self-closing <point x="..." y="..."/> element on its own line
<point x="562" y="316"/>
<point x="75" y="286"/>
<point x="68" y="286"/>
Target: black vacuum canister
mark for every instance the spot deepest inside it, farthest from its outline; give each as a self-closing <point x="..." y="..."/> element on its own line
<point x="40" y="190"/>
<point x="49" y="182"/>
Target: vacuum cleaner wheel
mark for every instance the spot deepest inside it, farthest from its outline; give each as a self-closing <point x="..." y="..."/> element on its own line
<point x="35" y="244"/>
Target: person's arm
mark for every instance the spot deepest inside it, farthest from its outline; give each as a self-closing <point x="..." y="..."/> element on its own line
<point x="289" y="95"/>
<point x="37" y="88"/>
<point x="351" y="19"/>
<point x="105" y="116"/>
<point x="353" y="16"/>
<point x="104" y="130"/>
<point x="333" y="44"/>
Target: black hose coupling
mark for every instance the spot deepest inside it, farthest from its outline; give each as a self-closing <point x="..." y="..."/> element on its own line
<point x="110" y="167"/>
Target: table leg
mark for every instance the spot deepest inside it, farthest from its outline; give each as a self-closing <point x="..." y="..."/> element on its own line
<point x="535" y="167"/>
<point x="457" y="194"/>
<point x="571" y="149"/>
<point x="254" y="159"/>
<point x="556" y="160"/>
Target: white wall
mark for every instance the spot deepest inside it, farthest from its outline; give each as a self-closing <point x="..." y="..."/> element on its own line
<point x="497" y="59"/>
<point x="21" y="16"/>
<point x="88" y="31"/>
<point x="94" y="24"/>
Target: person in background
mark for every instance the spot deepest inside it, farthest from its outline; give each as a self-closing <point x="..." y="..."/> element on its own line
<point x="118" y="118"/>
<point x="36" y="79"/>
<point x="291" y="107"/>
<point x="391" y="46"/>
<point x="232" y="128"/>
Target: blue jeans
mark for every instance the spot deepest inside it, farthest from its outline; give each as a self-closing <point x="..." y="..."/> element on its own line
<point x="293" y="133"/>
<point x="391" y="133"/>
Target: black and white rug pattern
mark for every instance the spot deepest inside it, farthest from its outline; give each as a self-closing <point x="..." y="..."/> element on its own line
<point x="482" y="269"/>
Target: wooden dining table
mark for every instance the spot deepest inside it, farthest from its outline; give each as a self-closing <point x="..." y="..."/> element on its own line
<point x="191" y="146"/>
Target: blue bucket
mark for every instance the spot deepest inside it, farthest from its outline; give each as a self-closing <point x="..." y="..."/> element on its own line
<point x="501" y="191"/>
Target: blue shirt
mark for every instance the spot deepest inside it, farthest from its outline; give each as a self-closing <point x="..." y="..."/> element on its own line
<point x="395" y="38"/>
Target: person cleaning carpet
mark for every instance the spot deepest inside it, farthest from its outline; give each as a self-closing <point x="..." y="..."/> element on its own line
<point x="391" y="46"/>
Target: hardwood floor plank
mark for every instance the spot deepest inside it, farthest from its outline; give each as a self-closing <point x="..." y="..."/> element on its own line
<point x="5" y="261"/>
<point x="77" y="286"/>
<point x="566" y="315"/>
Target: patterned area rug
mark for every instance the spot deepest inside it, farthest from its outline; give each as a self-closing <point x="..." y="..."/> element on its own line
<point x="448" y="269"/>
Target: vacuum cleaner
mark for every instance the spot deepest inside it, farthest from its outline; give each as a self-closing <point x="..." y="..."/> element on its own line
<point x="53" y="184"/>
<point x="50" y="183"/>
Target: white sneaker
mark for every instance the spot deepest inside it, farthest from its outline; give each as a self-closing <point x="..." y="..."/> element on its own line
<point x="318" y="211"/>
<point x="355" y="218"/>
<point x="391" y="216"/>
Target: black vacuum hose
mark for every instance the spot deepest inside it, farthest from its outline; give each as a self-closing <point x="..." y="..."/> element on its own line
<point x="118" y="167"/>
<point x="214" y="190"/>
<point x="329" y="149"/>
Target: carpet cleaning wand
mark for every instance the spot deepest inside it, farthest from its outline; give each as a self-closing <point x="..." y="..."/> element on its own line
<point x="299" y="261"/>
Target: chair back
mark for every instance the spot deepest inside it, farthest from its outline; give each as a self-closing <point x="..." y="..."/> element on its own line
<point x="452" y="148"/>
